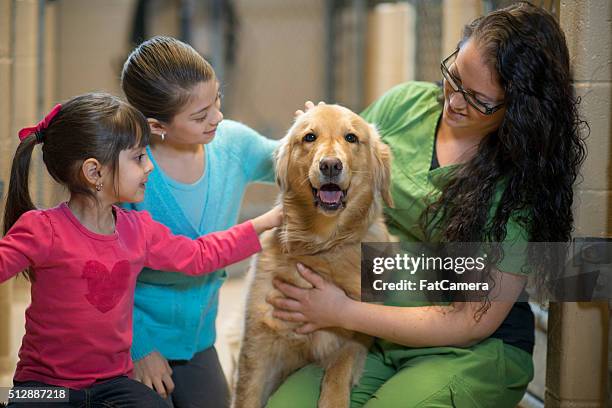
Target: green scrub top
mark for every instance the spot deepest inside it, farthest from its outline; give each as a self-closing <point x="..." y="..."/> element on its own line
<point x="406" y="118"/>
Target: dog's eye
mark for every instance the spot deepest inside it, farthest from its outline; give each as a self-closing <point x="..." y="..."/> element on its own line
<point x="310" y="137"/>
<point x="351" y="138"/>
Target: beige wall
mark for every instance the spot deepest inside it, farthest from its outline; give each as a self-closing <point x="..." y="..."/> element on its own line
<point x="6" y="62"/>
<point x="390" y="56"/>
<point x="19" y="102"/>
<point x="92" y="43"/>
<point x="280" y="62"/>
<point x="27" y="79"/>
<point x="577" y="374"/>
<point x="456" y="14"/>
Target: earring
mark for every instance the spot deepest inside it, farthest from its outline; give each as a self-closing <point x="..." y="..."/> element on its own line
<point x="163" y="136"/>
<point x="99" y="186"/>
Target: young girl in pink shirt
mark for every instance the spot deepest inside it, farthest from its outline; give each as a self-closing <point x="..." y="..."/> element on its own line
<point x="83" y="256"/>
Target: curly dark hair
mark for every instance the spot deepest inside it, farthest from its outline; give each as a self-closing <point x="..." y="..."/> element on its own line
<point x="536" y="152"/>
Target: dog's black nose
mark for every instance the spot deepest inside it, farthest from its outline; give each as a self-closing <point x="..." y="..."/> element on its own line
<point x="330" y="166"/>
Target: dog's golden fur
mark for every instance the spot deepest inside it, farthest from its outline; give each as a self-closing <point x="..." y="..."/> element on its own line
<point x="326" y="240"/>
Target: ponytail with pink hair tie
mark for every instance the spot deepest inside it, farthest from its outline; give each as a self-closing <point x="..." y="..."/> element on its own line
<point x="42" y="125"/>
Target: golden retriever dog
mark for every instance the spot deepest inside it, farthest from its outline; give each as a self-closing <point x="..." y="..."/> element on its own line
<point x="333" y="172"/>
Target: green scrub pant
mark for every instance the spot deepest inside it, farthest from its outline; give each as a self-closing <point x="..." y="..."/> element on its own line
<point x="488" y="374"/>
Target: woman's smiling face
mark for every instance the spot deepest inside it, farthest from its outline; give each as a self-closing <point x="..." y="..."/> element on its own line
<point x="470" y="70"/>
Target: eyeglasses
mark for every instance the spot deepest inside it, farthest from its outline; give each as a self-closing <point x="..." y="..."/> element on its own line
<point x="470" y="98"/>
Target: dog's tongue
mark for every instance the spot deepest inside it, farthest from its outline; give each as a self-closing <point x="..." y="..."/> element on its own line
<point x="330" y="197"/>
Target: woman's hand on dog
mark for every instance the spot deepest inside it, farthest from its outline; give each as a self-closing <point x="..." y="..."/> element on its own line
<point x="317" y="307"/>
<point x="307" y="106"/>
<point x="154" y="371"/>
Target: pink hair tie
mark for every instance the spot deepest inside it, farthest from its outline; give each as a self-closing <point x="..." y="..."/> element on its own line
<point x="42" y="125"/>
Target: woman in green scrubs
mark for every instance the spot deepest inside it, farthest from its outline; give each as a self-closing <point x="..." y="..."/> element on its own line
<point x="494" y="154"/>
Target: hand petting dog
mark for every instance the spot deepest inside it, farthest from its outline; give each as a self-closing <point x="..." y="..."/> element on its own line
<point x="317" y="308"/>
<point x="307" y="106"/>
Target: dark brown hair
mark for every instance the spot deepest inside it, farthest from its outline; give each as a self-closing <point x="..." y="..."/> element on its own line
<point x="159" y="75"/>
<point x="94" y="125"/>
<point x="536" y="152"/>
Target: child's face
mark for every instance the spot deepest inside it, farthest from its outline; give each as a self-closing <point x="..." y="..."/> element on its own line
<point x="132" y="174"/>
<point x="197" y="122"/>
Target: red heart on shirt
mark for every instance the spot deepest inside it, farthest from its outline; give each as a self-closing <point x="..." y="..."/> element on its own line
<point x="105" y="288"/>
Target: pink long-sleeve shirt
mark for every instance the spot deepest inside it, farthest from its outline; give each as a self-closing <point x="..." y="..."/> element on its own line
<point x="79" y="323"/>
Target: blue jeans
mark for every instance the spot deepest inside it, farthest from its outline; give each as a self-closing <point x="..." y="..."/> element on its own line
<point x="118" y="392"/>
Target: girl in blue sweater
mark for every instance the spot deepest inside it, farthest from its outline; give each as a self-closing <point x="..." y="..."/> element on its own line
<point x="202" y="166"/>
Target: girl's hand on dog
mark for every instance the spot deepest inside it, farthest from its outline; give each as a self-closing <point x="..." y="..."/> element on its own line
<point x="271" y="219"/>
<point x="307" y="106"/>
<point x="154" y="371"/>
<point x="317" y="307"/>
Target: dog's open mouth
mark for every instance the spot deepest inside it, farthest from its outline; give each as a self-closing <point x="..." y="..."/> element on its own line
<point x="329" y="197"/>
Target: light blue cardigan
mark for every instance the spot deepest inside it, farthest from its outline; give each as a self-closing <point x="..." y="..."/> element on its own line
<point x="174" y="313"/>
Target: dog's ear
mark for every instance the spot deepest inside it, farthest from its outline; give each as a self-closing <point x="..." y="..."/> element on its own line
<point x="281" y="157"/>
<point x="381" y="166"/>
